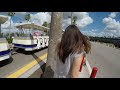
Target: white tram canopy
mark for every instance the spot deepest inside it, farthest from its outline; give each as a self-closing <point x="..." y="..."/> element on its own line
<point x="32" y="26"/>
<point x="3" y="19"/>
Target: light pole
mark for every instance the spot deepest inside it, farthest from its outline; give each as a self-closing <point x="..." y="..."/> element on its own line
<point x="0" y="28"/>
<point x="71" y="17"/>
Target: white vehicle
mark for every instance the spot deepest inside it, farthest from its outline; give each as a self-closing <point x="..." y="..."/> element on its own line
<point x="4" y="46"/>
<point x="30" y="42"/>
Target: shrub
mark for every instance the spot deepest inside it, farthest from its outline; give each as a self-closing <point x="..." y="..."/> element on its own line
<point x="9" y="40"/>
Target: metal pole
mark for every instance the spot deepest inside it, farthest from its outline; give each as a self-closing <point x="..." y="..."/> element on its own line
<point x="71" y="17"/>
<point x="94" y="72"/>
<point x="10" y="26"/>
<point x="0" y="28"/>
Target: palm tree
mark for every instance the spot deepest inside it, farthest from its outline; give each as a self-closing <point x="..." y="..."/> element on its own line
<point x="11" y="14"/>
<point x="74" y="20"/>
<point x="45" y="24"/>
<point x="27" y="17"/>
<point x="55" y="35"/>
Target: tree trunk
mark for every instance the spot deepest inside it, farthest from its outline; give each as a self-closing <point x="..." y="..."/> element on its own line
<point x="55" y="35"/>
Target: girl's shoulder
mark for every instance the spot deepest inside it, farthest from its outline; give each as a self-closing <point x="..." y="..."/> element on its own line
<point x="77" y="55"/>
<point x="84" y="53"/>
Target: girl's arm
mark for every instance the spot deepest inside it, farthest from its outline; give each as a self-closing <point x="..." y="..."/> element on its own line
<point x="76" y="67"/>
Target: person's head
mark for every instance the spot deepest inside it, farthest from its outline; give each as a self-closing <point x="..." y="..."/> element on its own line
<point x="72" y="41"/>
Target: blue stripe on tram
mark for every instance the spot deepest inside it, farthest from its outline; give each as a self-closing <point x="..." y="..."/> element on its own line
<point x="25" y="46"/>
<point x="4" y="52"/>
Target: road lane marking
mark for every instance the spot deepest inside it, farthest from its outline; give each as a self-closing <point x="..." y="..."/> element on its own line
<point x="28" y="73"/>
<point x="27" y="67"/>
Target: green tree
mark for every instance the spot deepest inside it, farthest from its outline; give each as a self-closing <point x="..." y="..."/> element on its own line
<point x="74" y="20"/>
<point x="27" y="17"/>
<point x="45" y="24"/>
<point x="12" y="34"/>
<point x="54" y="37"/>
<point x="11" y="14"/>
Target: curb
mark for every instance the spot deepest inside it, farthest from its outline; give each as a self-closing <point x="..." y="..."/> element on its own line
<point x="33" y="69"/>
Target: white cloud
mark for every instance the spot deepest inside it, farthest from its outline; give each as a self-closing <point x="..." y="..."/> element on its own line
<point x="84" y="22"/>
<point x="83" y="19"/>
<point x="37" y="18"/>
<point x="20" y="13"/>
<point x="94" y="30"/>
<point x="7" y="28"/>
<point x="113" y="14"/>
<point x="112" y="27"/>
<point x="40" y="18"/>
<point x="89" y="33"/>
<point x="111" y="23"/>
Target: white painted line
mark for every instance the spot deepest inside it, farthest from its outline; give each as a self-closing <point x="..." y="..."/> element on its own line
<point x="88" y="66"/>
<point x="84" y="73"/>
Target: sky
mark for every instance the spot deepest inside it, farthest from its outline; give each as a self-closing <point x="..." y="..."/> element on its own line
<point x="90" y="23"/>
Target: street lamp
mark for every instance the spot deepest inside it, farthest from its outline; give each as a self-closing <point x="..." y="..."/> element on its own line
<point x="71" y="17"/>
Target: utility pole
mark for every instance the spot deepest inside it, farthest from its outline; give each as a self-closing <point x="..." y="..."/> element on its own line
<point x="71" y="17"/>
<point x="0" y="28"/>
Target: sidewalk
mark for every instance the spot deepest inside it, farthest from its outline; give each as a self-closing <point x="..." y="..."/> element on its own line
<point x="36" y="71"/>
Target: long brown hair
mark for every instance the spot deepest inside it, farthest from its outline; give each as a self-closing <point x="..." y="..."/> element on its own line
<point x="73" y="41"/>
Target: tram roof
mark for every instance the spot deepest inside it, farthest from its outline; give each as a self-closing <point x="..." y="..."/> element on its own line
<point x="3" y="19"/>
<point x="32" y="26"/>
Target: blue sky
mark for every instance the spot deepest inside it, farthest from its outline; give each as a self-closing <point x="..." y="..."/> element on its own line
<point x="90" y="23"/>
<point x="97" y="17"/>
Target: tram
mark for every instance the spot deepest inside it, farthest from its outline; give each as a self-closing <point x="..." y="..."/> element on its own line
<point x="4" y="46"/>
<point x="32" y="40"/>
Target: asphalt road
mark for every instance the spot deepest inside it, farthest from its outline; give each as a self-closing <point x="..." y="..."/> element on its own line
<point x="106" y="59"/>
<point x="18" y="60"/>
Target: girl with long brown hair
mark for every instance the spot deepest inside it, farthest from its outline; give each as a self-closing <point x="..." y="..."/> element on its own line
<point x="69" y="52"/>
